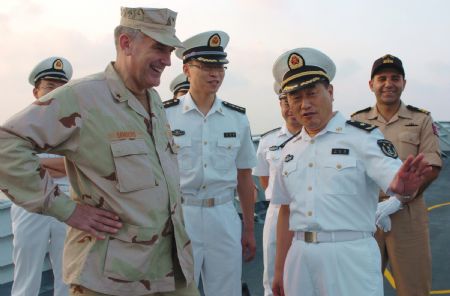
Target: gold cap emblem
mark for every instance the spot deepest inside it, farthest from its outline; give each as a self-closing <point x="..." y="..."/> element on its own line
<point x="388" y="59"/>
<point x="214" y="41"/>
<point x="295" y="61"/>
<point x="57" y="64"/>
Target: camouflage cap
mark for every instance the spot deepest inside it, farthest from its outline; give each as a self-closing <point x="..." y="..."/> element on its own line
<point x="56" y="68"/>
<point x="157" y="23"/>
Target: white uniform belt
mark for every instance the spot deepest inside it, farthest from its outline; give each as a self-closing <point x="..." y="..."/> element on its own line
<point x="330" y="236"/>
<point x="206" y="202"/>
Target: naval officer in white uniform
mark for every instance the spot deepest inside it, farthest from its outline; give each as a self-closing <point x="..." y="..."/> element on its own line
<point x="36" y="234"/>
<point x="215" y="157"/>
<point x="268" y="159"/>
<point x="328" y="186"/>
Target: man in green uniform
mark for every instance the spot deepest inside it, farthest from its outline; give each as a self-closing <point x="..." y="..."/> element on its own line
<point x="126" y="234"/>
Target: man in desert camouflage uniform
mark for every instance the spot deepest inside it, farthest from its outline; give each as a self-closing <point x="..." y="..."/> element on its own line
<point x="127" y="233"/>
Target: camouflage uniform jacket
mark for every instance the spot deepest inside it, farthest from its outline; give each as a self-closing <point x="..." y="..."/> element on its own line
<point x="118" y="158"/>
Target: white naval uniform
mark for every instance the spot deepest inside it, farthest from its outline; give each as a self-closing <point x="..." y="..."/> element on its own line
<point x="211" y="150"/>
<point x="331" y="183"/>
<point x="268" y="158"/>
<point x="34" y="235"/>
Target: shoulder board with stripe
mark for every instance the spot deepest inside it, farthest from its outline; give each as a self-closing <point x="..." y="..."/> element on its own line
<point x="415" y="109"/>
<point x="234" y="107"/>
<point x="271" y="131"/>
<point x="362" y="125"/>
<point x="170" y="103"/>
<point x="362" y="111"/>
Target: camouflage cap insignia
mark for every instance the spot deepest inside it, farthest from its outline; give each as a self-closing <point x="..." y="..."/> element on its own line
<point x="178" y="133"/>
<point x="170" y="103"/>
<point x="387" y="148"/>
<point x="214" y="41"/>
<point x="415" y="109"/>
<point x="295" y="61"/>
<point x="288" y="158"/>
<point x="234" y="107"/>
<point x="362" y="125"/>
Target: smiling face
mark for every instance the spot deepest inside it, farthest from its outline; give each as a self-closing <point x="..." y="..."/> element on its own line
<point x="204" y="77"/>
<point x="387" y="85"/>
<point x="312" y="106"/>
<point x="287" y="114"/>
<point x="147" y="59"/>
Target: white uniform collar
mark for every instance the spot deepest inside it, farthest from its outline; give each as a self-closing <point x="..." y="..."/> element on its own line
<point x="284" y="131"/>
<point x="335" y="125"/>
<point x="189" y="104"/>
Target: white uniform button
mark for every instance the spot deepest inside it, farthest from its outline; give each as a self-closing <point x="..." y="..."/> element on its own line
<point x="339" y="166"/>
<point x="206" y="142"/>
<point x="309" y="188"/>
<point x="205" y="165"/>
<point x="285" y="173"/>
<point x="310" y="165"/>
<point x="312" y="141"/>
<point x="309" y="213"/>
<point x="204" y="120"/>
<point x="204" y="187"/>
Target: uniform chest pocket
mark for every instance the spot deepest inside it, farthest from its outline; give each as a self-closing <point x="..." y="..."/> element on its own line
<point x="226" y="152"/>
<point x="133" y="167"/>
<point x="273" y="156"/>
<point x="408" y="144"/>
<point x="339" y="176"/>
<point x="185" y="156"/>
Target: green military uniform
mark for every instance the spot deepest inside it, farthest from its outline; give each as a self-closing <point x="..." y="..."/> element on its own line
<point x="118" y="158"/>
<point x="407" y="246"/>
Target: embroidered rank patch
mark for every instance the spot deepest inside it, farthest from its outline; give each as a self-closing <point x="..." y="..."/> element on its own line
<point x="387" y="148"/>
<point x="178" y="133"/>
<point x="288" y="158"/>
<point x="229" y="135"/>
<point x="274" y="148"/>
<point x="341" y="151"/>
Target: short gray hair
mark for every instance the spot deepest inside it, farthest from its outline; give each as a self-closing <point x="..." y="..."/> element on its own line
<point x="131" y="32"/>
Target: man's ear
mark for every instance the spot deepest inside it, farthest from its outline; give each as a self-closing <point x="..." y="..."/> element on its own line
<point x="125" y="44"/>
<point x="35" y="92"/>
<point x="371" y="84"/>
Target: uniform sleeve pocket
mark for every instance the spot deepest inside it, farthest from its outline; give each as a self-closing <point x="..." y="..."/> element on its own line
<point x="133" y="168"/>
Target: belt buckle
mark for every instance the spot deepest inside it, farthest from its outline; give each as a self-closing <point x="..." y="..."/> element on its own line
<point x="311" y="237"/>
<point x="209" y="202"/>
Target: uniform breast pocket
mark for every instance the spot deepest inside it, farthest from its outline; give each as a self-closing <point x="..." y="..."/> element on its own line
<point x="185" y="157"/>
<point x="273" y="157"/>
<point x="408" y="144"/>
<point x="133" y="167"/>
<point x="226" y="152"/>
<point x="339" y="176"/>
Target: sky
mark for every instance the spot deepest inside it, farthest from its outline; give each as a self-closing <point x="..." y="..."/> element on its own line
<point x="352" y="32"/>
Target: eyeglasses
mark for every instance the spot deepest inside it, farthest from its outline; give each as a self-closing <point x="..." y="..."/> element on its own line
<point x="210" y="68"/>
